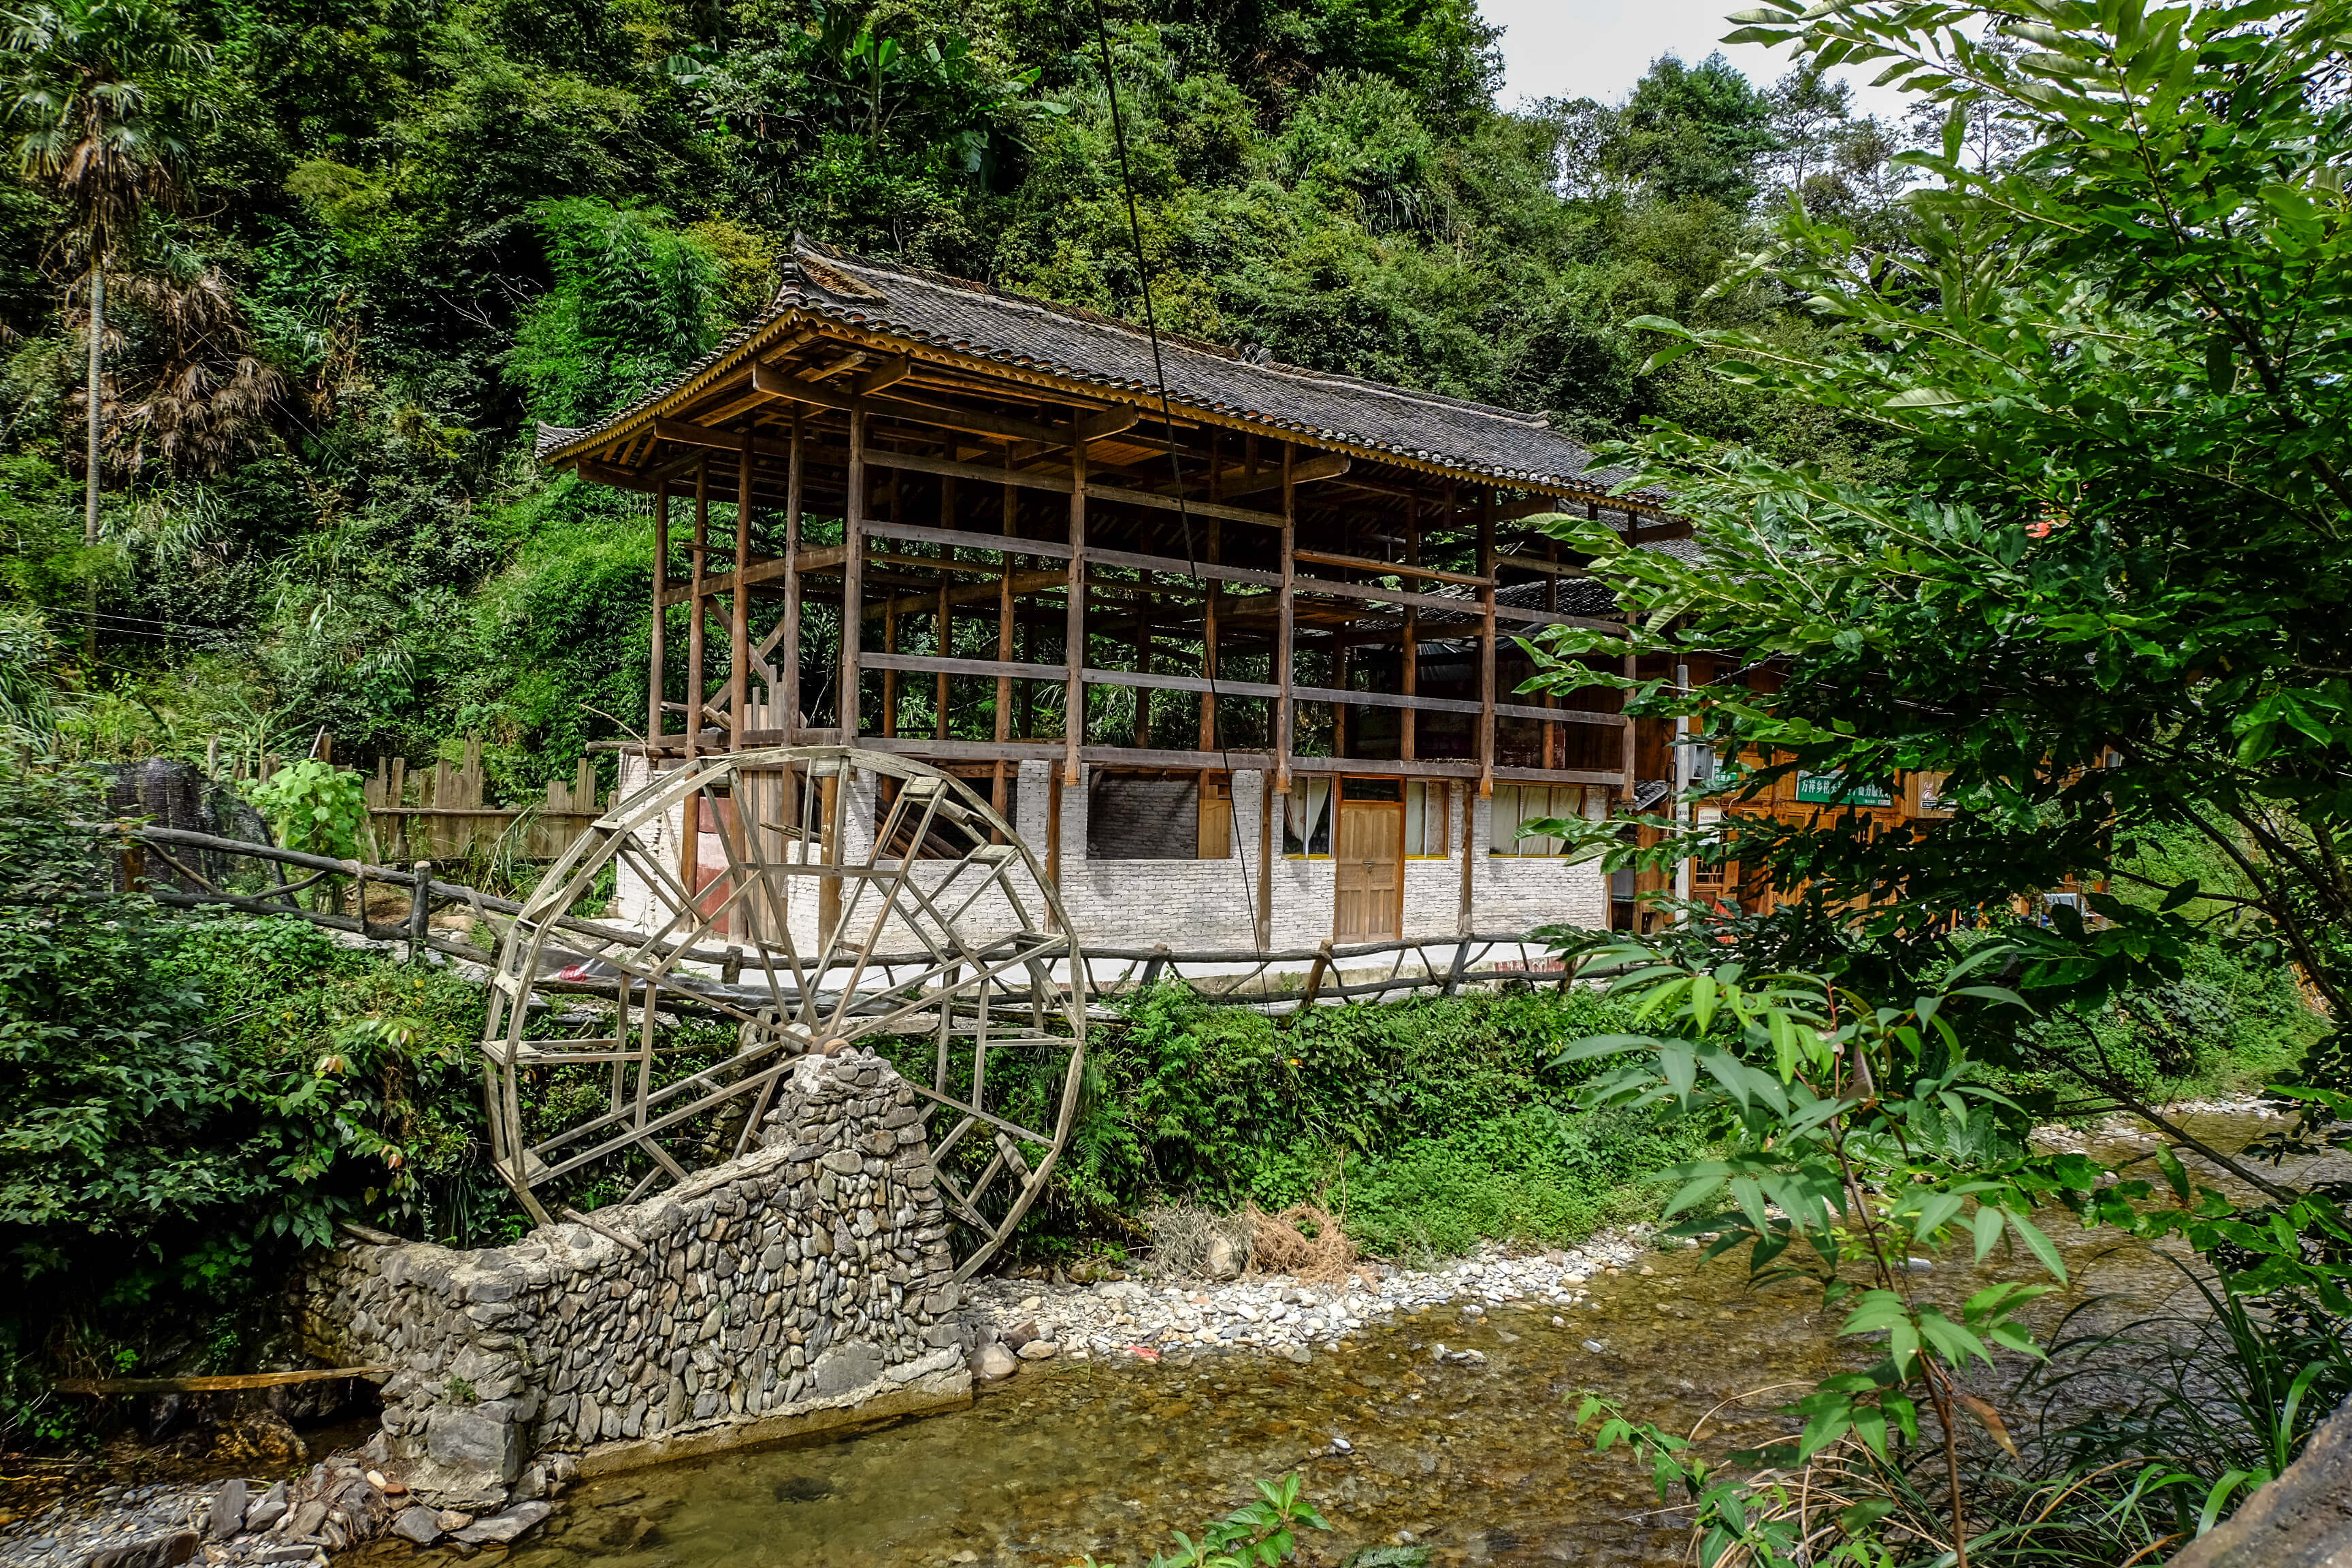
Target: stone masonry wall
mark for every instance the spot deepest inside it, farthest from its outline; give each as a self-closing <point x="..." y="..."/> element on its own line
<point x="808" y="1282"/>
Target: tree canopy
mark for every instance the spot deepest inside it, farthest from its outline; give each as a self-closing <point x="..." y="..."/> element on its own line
<point x="2103" y="593"/>
<point x="414" y="227"/>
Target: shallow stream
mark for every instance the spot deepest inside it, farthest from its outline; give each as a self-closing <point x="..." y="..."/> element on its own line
<point x="1479" y="1462"/>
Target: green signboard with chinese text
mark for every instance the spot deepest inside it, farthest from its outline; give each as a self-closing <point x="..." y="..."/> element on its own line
<point x="1833" y="789"/>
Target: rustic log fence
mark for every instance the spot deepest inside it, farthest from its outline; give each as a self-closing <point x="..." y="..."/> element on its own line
<point x="438" y="813"/>
<point x="1239" y="977"/>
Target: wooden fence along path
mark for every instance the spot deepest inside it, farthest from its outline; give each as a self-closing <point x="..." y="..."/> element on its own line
<point x="449" y="821"/>
<point x="1383" y="971"/>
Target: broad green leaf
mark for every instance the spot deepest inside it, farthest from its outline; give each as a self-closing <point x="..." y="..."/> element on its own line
<point x="2036" y="1243"/>
<point x="1987" y="1226"/>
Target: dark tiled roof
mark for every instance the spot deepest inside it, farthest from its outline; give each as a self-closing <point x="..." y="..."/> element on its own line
<point x="974" y="321"/>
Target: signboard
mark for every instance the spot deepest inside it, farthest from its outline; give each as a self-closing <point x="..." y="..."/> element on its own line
<point x="1832" y="789"/>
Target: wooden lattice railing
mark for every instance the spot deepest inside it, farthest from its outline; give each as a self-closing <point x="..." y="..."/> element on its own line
<point x="1384" y="970"/>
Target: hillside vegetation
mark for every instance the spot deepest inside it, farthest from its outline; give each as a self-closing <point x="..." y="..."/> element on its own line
<point x="354" y="247"/>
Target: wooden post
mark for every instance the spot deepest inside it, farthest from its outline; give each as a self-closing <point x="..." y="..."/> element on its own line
<point x="694" y="615"/>
<point x="1486" y="645"/>
<point x="853" y="576"/>
<point x="1627" y="756"/>
<point x="738" y="609"/>
<point x="1470" y="799"/>
<point x="1283" y="626"/>
<point x="420" y="910"/>
<point x="889" y="677"/>
<point x="656" y="721"/>
<point x="1028" y="726"/>
<point x="1410" y="655"/>
<point x="791" y="691"/>
<point x="1143" y="662"/>
<point x="1157" y="962"/>
<point x="1551" y="698"/>
<point x="1074" y="637"/>
<point x="1209" y="639"/>
<point x="1339" y="663"/>
<point x="1266" y="798"/>
<point x="1209" y="670"/>
<point x="1053" y="830"/>
<point x="1004" y="641"/>
<point x="1315" y="975"/>
<point x="1461" y="962"/>
<point x="944" y="641"/>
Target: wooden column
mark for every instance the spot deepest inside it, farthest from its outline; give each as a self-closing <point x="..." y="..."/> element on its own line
<point x="942" y="637"/>
<point x="1074" y="635"/>
<point x="1486" y="645"/>
<point x="852" y="575"/>
<point x="656" y="720"/>
<point x="1028" y="689"/>
<point x="1283" y="627"/>
<point x="1265" y="848"/>
<point x="1469" y="807"/>
<point x="996" y="797"/>
<point x="1626" y="755"/>
<point x="739" y="607"/>
<point x="1340" y="662"/>
<point x="1551" y="698"/>
<point x="1143" y="655"/>
<point x="694" y="615"/>
<point x="944" y="634"/>
<point x="1410" y="654"/>
<point x="889" y="677"/>
<point x="788" y="692"/>
<point x="1209" y="641"/>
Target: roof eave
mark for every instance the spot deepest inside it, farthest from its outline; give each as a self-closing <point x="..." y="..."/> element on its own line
<point x="785" y="315"/>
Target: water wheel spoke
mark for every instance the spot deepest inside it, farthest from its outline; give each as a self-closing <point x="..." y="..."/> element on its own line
<point x="848" y="895"/>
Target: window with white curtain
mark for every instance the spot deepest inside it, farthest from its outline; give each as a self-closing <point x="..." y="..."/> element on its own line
<point x="1517" y="804"/>
<point x="1425" y="825"/>
<point x="1307" y="818"/>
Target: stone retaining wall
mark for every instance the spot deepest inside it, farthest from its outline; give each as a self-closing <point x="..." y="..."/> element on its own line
<point x="805" y="1286"/>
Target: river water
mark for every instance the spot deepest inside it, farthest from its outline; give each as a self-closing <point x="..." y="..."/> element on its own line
<point x="1479" y="1462"/>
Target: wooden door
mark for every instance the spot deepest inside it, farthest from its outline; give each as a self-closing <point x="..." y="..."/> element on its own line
<point x="1368" y="863"/>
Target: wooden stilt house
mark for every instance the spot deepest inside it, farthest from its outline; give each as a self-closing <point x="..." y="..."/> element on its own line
<point x="1239" y="659"/>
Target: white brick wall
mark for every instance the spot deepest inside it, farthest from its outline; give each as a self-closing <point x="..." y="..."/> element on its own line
<point x="1196" y="905"/>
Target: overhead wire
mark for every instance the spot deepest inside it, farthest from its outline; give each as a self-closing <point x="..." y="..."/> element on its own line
<point x="1175" y="462"/>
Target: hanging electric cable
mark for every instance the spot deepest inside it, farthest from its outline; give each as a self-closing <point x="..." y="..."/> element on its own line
<point x="1175" y="459"/>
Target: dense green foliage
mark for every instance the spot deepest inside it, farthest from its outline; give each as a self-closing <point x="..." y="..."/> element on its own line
<point x="185" y="1105"/>
<point x="1851" y="1137"/>
<point x="2099" y="596"/>
<point x="1426" y="1126"/>
<point x="2103" y="598"/>
<point x="409" y="230"/>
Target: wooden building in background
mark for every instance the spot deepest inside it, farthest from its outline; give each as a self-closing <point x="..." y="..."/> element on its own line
<point x="1240" y="660"/>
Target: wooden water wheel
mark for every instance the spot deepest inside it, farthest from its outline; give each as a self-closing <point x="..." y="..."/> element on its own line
<point x="753" y="906"/>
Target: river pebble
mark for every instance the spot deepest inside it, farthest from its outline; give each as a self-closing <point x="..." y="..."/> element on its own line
<point x="348" y="1499"/>
<point x="1278" y="1315"/>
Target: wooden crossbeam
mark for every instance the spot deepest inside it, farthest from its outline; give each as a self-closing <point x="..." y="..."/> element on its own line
<point x="1393" y="568"/>
<point x="1152" y="680"/>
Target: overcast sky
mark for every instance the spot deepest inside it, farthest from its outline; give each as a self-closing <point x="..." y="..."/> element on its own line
<point x="1599" y="48"/>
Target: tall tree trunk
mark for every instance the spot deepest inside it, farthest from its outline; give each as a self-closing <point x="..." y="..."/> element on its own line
<point x="91" y="479"/>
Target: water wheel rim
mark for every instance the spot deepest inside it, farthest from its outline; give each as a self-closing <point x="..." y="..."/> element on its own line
<point x="646" y="965"/>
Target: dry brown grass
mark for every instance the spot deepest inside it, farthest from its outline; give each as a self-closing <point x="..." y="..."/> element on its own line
<point x="1302" y="1241"/>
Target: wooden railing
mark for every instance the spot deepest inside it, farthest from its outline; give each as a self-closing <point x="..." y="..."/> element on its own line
<point x="1235" y="977"/>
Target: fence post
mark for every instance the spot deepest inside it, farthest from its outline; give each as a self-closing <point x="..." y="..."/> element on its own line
<point x="1151" y="970"/>
<point x="134" y="864"/>
<point x="420" y="908"/>
<point x="1315" y="975"/>
<point x="1461" y="962"/>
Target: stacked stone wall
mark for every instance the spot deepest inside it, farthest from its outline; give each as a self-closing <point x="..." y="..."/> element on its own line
<point x="808" y="1283"/>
